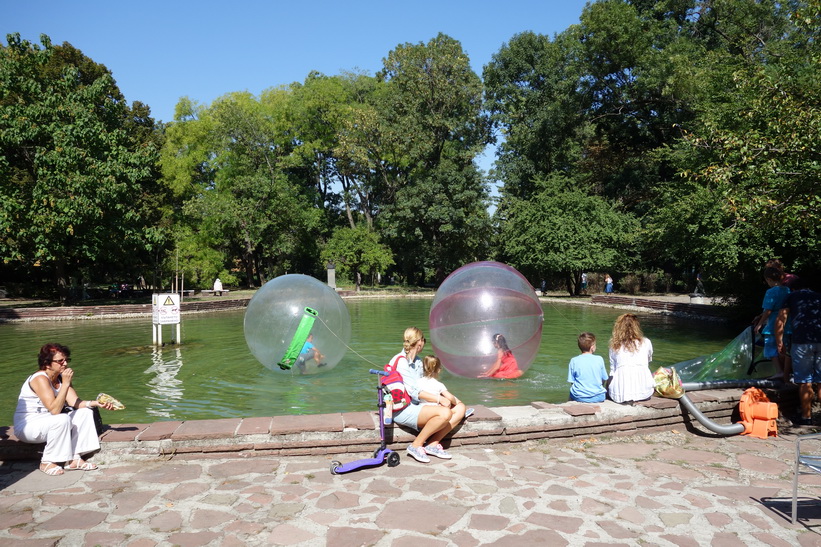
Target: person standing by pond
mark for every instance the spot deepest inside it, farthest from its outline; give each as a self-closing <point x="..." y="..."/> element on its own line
<point x="630" y="356"/>
<point x="432" y="422"/>
<point x="773" y="302"/>
<point x="699" y="290"/>
<point x="802" y="308"/>
<point x="49" y="411"/>
<point x="608" y="284"/>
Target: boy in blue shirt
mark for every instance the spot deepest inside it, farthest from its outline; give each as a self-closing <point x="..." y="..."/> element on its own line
<point x="586" y="372"/>
<point x="308" y="352"/>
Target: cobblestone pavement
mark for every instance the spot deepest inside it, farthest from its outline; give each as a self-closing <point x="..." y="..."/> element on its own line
<point x="668" y="488"/>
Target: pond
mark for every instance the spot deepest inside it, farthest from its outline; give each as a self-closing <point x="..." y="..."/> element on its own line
<point x="212" y="374"/>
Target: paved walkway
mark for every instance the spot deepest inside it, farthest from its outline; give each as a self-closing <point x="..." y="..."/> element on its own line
<point x="669" y="488"/>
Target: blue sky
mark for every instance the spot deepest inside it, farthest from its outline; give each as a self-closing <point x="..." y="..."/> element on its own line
<point x="161" y="51"/>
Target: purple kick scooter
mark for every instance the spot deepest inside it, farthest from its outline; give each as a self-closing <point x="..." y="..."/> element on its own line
<point x="381" y="454"/>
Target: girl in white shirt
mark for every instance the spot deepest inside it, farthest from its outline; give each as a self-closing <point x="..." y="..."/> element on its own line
<point x="630" y="356"/>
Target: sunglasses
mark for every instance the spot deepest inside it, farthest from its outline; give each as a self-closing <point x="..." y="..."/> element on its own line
<point x="61" y="361"/>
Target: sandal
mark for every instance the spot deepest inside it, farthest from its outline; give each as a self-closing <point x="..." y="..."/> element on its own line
<point x="51" y="469"/>
<point x="81" y="465"/>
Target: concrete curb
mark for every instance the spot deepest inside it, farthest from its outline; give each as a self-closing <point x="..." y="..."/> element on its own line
<point x="358" y="432"/>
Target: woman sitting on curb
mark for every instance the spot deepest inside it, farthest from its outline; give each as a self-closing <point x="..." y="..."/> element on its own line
<point x="432" y="421"/>
<point x="49" y="411"/>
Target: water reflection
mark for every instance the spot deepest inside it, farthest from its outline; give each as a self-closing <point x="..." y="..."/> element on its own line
<point x="165" y="386"/>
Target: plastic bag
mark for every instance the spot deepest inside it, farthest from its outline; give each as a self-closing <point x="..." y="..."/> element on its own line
<point x="668" y="384"/>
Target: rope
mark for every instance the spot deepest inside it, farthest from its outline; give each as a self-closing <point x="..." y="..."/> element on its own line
<point x="347" y="346"/>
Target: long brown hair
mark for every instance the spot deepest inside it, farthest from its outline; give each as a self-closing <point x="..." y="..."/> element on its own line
<point x="626" y="333"/>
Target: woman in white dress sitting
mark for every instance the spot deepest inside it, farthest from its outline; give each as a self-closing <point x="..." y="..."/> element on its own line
<point x="49" y="411"/>
<point x="630" y="356"/>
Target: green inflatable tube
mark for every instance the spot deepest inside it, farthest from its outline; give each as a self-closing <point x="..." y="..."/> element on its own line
<point x="299" y="339"/>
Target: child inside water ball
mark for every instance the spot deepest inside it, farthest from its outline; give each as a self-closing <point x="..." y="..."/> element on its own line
<point x="505" y="365"/>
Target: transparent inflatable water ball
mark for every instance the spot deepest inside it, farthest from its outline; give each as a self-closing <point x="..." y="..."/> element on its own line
<point x="476" y="303"/>
<point x="296" y="324"/>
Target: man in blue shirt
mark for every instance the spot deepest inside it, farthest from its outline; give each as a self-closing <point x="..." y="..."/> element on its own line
<point x="803" y="309"/>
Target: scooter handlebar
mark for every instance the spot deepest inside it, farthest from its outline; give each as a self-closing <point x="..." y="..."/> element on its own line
<point x="379" y="372"/>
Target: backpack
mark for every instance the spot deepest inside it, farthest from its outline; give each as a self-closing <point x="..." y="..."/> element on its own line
<point x="395" y="386"/>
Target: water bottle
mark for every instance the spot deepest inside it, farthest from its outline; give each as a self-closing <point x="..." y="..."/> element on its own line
<point x="387" y="415"/>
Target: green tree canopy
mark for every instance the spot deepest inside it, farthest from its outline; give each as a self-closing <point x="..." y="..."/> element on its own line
<point x="563" y="230"/>
<point x="76" y="164"/>
<point x="356" y="251"/>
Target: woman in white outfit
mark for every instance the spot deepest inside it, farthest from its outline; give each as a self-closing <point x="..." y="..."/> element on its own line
<point x="630" y="356"/>
<point x="49" y="411"/>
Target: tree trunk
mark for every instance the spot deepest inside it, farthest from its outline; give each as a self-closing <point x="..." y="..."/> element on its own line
<point x="61" y="280"/>
<point x="248" y="263"/>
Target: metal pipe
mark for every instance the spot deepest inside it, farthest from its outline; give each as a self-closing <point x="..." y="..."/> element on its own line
<point x="727" y="384"/>
<point x="721" y="429"/>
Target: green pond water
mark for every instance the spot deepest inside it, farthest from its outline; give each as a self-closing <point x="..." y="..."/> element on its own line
<point x="212" y="374"/>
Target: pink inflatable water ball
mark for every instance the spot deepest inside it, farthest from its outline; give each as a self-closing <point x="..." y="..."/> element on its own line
<point x="473" y="305"/>
<point x="284" y="312"/>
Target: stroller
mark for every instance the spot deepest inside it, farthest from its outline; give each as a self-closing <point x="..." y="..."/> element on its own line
<point x="381" y="454"/>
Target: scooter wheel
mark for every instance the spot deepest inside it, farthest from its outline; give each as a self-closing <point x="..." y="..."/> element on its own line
<point x="393" y="459"/>
<point x="334" y="465"/>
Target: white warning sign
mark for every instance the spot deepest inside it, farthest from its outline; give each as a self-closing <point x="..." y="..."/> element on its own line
<point x="166" y="309"/>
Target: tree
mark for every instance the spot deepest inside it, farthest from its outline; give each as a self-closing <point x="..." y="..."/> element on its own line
<point x="761" y="131"/>
<point x="356" y="251"/>
<point x="74" y="172"/>
<point x="322" y="111"/>
<point x="700" y="118"/>
<point x="748" y="163"/>
<point x="531" y="93"/>
<point x="434" y="204"/>
<point x="565" y="231"/>
<point x="235" y="162"/>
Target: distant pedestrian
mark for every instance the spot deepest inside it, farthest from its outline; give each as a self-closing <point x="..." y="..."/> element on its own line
<point x="699" y="285"/>
<point x="584" y="282"/>
<point x="217" y="287"/>
<point x="608" y="284"/>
